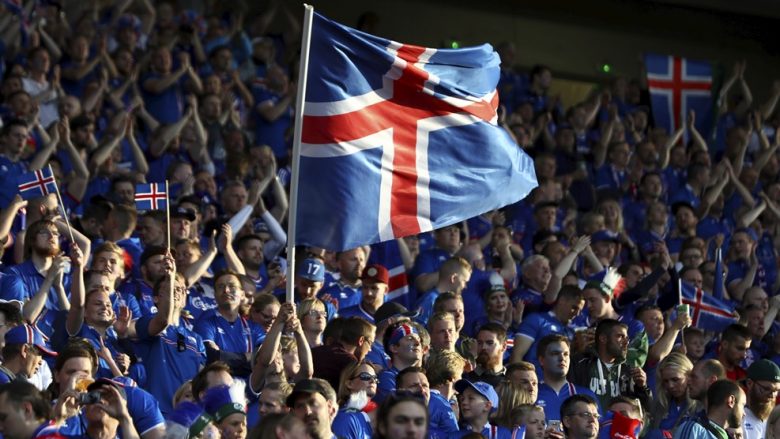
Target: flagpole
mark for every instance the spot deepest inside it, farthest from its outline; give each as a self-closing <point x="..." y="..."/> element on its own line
<point x="62" y="206"/>
<point x="300" y="98"/>
<point x="679" y="303"/>
<point x="168" y="214"/>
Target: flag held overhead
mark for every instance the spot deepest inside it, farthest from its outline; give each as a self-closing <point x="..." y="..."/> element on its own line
<point x="398" y="139"/>
<point x="37" y="184"/>
<point x="150" y="196"/>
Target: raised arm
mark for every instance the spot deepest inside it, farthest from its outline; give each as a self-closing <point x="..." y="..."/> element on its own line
<point x="75" y="317"/>
<point x="270" y="347"/>
<point x="164" y="316"/>
<point x="304" y="350"/>
<point x="33" y="307"/>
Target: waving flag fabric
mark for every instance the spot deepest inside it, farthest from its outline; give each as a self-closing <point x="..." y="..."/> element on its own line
<point x="37" y="184"/>
<point x="678" y="85"/>
<point x="399" y="139"/>
<point x="150" y="196"/>
<point x="707" y="312"/>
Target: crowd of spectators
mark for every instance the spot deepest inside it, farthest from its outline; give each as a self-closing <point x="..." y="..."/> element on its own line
<point x="553" y="317"/>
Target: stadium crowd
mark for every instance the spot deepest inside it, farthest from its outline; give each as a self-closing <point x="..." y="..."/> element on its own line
<point x="556" y="317"/>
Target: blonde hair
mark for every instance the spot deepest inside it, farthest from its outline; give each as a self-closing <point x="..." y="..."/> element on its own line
<point x="307" y="305"/>
<point x="675" y="361"/>
<point x="511" y="395"/>
<point x="347" y="374"/>
<point x="443" y="366"/>
<point x="518" y="414"/>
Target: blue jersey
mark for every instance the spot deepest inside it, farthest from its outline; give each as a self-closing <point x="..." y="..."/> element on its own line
<point x="425" y="305"/>
<point x="200" y="299"/>
<point x="551" y="401"/>
<point x="272" y="133"/>
<point x="143" y="294"/>
<point x="9" y="171"/>
<point x="142" y="406"/>
<point x="351" y="424"/>
<point x="533" y="300"/>
<point x="443" y="421"/>
<point x="378" y="356"/>
<point x="119" y="300"/>
<point x="20" y="284"/>
<point x="357" y="311"/>
<point x="607" y="177"/>
<point x="109" y="341"/>
<point x="346" y="295"/>
<point x="536" y="326"/>
<point x="386" y="384"/>
<point x="174" y="355"/>
<point x="473" y="296"/>
<point x="166" y="106"/>
<point x="241" y="336"/>
<point x="429" y="261"/>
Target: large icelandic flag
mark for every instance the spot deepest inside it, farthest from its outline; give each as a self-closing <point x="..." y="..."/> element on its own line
<point x="150" y="196"/>
<point x="37" y="184"/>
<point x="399" y="139"/>
<point x="678" y="85"/>
<point x="707" y="312"/>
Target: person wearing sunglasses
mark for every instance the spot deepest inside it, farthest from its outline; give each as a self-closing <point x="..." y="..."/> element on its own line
<point x="356" y="388"/>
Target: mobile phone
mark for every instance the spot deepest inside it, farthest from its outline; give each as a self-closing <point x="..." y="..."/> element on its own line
<point x="89" y="398"/>
<point x="556" y="425"/>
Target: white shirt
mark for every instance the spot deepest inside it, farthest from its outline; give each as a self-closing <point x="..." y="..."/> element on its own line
<point x="753" y="427"/>
<point x="49" y="112"/>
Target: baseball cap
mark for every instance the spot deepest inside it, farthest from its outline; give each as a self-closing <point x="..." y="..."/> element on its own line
<point x="764" y="370"/>
<point x="183" y="212"/>
<point x="312" y="269"/>
<point x="310" y="386"/>
<point x="495" y="288"/>
<point x="393" y="309"/>
<point x="482" y="388"/>
<point x="375" y="274"/>
<point x="26" y="334"/>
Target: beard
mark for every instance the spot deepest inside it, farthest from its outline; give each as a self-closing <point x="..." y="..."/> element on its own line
<point x="46" y="251"/>
<point x="761" y="409"/>
<point x="486" y="361"/>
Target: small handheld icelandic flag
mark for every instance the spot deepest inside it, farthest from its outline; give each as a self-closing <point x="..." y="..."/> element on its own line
<point x="150" y="196"/>
<point x="37" y="184"/>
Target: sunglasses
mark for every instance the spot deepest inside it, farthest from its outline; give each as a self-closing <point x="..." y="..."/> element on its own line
<point x="365" y="376"/>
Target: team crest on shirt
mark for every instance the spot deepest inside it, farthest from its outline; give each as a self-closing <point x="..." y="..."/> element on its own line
<point x="220" y="331"/>
<point x="554" y="328"/>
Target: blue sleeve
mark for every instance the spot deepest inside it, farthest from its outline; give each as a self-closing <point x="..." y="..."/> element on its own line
<point x="426" y="262"/>
<point x="144" y="410"/>
<point x="142" y="328"/>
<point x="258" y="333"/>
<point x="205" y="328"/>
<point x="346" y="426"/>
<point x="385" y="387"/>
<point x="530" y="326"/>
<point x="442" y="419"/>
<point x="426" y="308"/>
<point x="13" y="288"/>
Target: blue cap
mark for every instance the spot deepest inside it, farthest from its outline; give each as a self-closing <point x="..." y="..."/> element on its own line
<point x="312" y="269"/>
<point x="191" y="416"/>
<point x="27" y="334"/>
<point x="483" y="388"/>
<point x="223" y="401"/>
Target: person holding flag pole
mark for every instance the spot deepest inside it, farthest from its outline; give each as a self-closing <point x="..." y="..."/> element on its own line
<point x="410" y="134"/>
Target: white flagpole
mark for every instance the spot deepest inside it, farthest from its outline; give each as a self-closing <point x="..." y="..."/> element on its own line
<point x="168" y="214"/>
<point x="300" y="98"/>
<point x="62" y="206"/>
